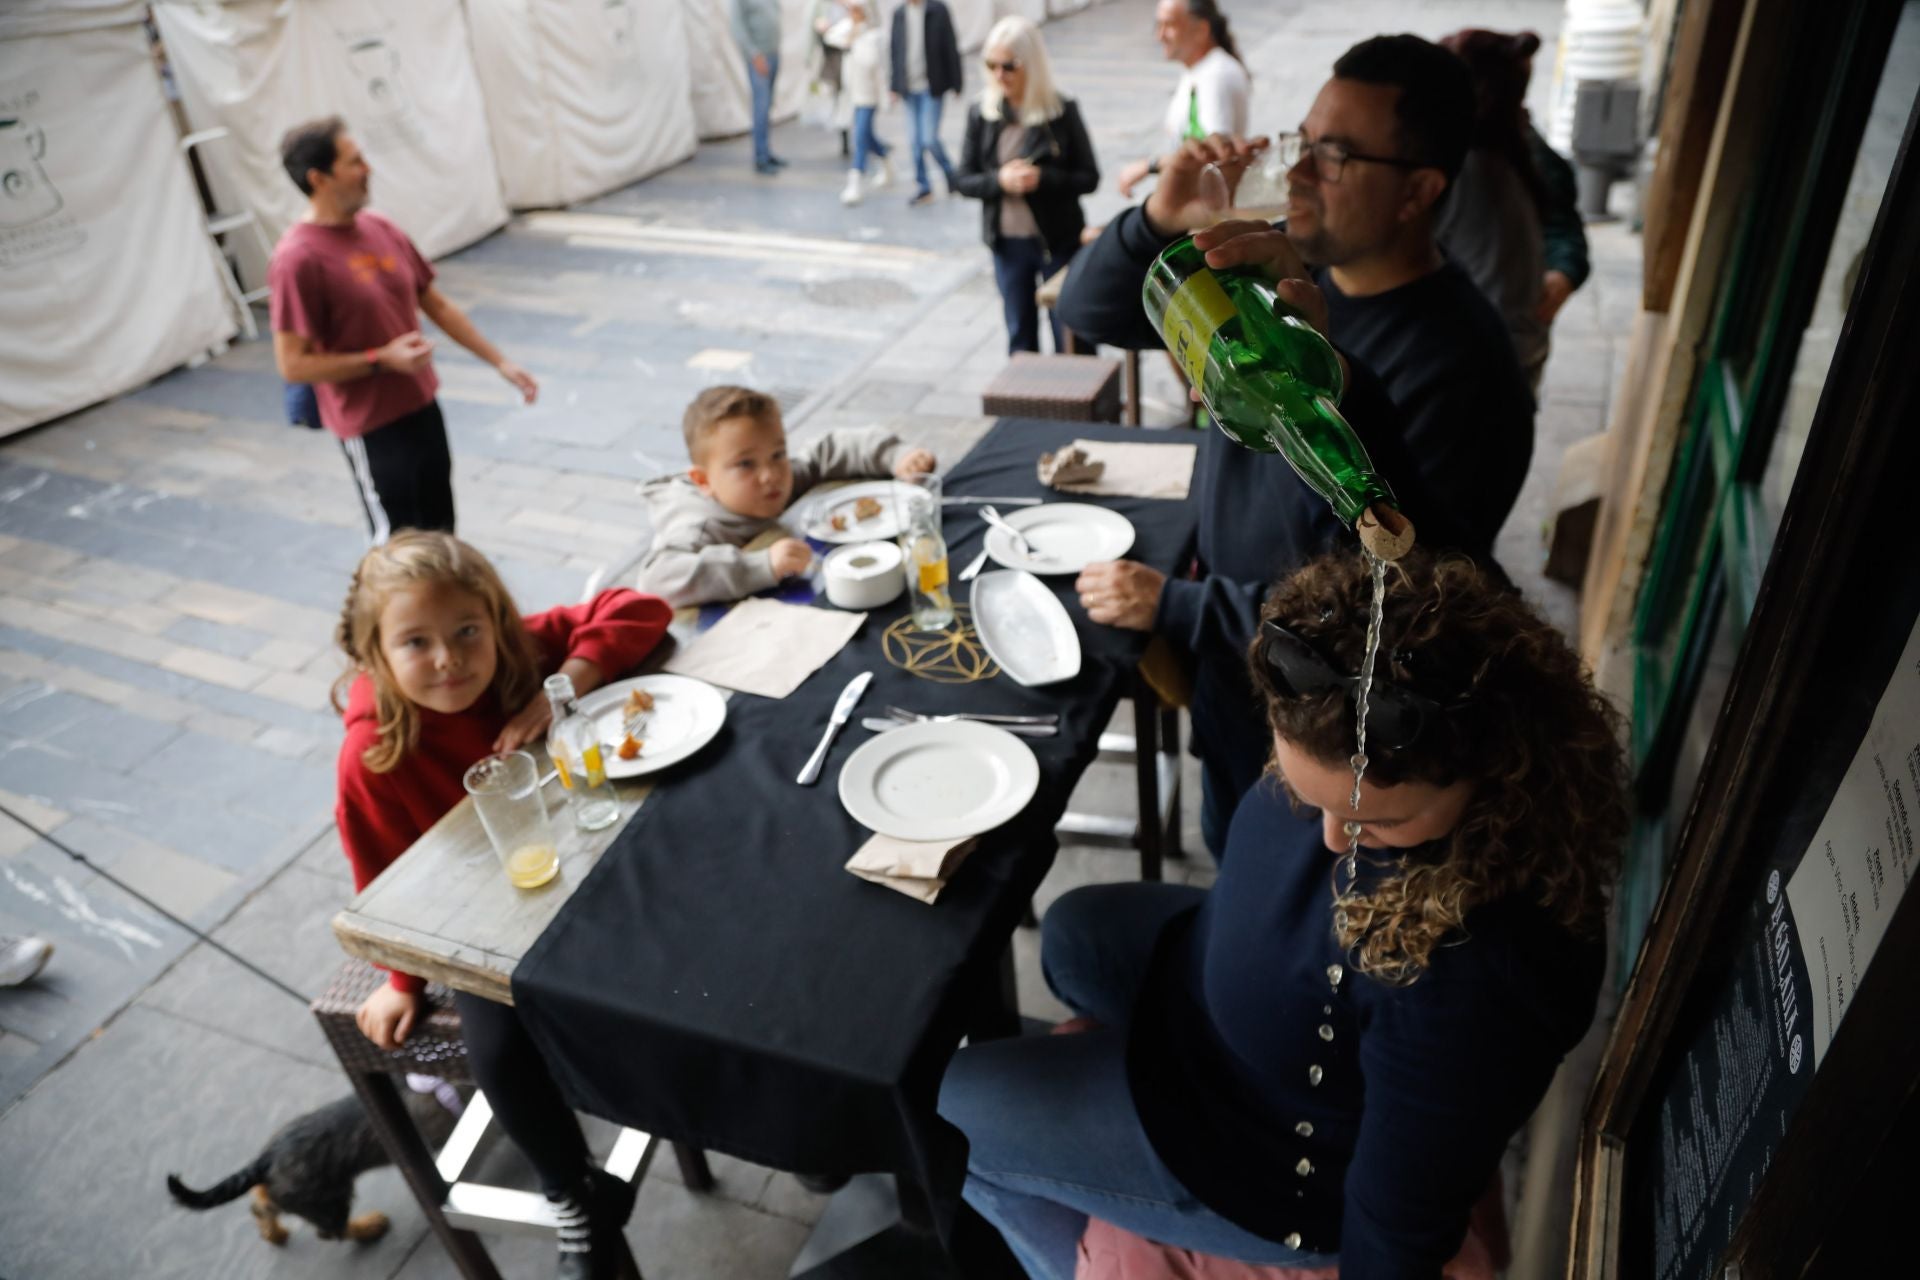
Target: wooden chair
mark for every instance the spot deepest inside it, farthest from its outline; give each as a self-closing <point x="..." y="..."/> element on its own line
<point x="454" y="1207"/>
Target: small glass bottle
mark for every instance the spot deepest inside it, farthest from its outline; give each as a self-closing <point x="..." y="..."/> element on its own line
<point x="925" y="550"/>
<point x="1271" y="382"/>
<point x="574" y="745"/>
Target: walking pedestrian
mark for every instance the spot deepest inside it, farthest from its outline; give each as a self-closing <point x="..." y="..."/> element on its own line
<point x="348" y="289"/>
<point x="1213" y="92"/>
<point x="864" y="80"/>
<point x="1027" y="160"/>
<point x="756" y="28"/>
<point x="926" y="67"/>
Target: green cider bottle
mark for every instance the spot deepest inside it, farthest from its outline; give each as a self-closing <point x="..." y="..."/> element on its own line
<point x="1272" y="383"/>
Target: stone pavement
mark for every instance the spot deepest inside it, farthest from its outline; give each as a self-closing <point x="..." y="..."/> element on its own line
<point x="171" y="565"/>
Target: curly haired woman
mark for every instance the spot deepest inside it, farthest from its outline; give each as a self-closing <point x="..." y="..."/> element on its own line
<point x="1323" y="1057"/>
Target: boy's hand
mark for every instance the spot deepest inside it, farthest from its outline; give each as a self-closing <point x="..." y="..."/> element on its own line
<point x="790" y="556"/>
<point x="914" y="462"/>
<point x="408" y="353"/>
<point x="522" y="381"/>
<point x="387" y="1016"/>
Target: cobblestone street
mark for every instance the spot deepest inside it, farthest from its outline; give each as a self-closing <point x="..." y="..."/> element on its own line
<point x="172" y="564"/>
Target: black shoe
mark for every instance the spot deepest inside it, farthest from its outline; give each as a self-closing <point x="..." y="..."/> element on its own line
<point x="591" y="1217"/>
<point x="776" y="162"/>
<point x="922" y="196"/>
<point x="765" y="168"/>
<point x="822" y="1184"/>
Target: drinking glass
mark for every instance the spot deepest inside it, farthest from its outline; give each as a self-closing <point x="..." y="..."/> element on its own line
<point x="506" y="794"/>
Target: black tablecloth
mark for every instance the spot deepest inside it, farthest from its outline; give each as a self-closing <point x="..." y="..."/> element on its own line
<point x="721" y="979"/>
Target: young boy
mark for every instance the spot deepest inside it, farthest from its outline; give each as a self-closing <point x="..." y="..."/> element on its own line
<point x="740" y="482"/>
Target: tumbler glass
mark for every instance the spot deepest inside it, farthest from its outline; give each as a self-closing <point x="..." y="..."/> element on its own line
<point x="506" y="794"/>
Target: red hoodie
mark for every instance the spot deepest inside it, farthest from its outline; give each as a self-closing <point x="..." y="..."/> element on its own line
<point x="380" y="815"/>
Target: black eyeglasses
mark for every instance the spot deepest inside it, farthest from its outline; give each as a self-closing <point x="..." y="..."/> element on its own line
<point x="1396" y="716"/>
<point x="1010" y="66"/>
<point x="1330" y="158"/>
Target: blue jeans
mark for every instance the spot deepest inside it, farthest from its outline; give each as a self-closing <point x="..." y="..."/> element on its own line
<point x="1053" y="1135"/>
<point x="923" y="114"/>
<point x="762" y="106"/>
<point x="1020" y="263"/>
<point x="865" y="140"/>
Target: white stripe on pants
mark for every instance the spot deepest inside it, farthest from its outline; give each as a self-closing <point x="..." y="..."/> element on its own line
<point x="355" y="448"/>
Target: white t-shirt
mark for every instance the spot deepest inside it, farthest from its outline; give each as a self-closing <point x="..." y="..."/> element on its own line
<point x="1220" y="83"/>
<point x="916" y="33"/>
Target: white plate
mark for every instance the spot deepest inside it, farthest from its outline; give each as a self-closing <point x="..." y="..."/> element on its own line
<point x="938" y="781"/>
<point x="818" y="510"/>
<point x="1024" y="627"/>
<point x="1066" y="537"/>
<point x="686" y="714"/>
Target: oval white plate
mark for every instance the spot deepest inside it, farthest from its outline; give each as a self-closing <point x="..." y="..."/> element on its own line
<point x="818" y="511"/>
<point x="686" y="714"/>
<point x="1066" y="537"/>
<point x="938" y="781"/>
<point x="1024" y="627"/>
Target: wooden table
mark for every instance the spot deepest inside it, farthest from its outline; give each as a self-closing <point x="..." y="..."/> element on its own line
<point x="446" y="912"/>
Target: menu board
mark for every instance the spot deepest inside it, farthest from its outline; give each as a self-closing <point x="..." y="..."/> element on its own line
<point x="1862" y="858"/>
<point x="1757" y="1029"/>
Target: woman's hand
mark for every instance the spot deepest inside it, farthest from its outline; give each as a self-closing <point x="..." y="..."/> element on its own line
<point x="387" y="1016"/>
<point x="529" y="725"/>
<point x="1018" y="177"/>
<point x="914" y="462"/>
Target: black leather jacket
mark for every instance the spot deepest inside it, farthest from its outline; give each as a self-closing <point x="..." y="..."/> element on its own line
<point x="1064" y="155"/>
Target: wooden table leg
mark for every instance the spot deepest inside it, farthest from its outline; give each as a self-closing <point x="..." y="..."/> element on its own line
<point x="1146" y="774"/>
<point x="1170" y="746"/>
<point x="693" y="1167"/>
<point x="396" y="1131"/>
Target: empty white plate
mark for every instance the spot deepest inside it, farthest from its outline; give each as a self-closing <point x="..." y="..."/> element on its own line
<point x="938" y="781"/>
<point x="818" y="511"/>
<point x="1065" y="537"/>
<point x="1024" y="627"/>
<point x="686" y="714"/>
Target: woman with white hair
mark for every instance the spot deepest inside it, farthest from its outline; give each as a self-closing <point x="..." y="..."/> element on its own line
<point x="1027" y="160"/>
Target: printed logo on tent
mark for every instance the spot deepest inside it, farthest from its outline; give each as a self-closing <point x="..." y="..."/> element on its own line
<point x="33" y="223"/>
<point x="385" y="113"/>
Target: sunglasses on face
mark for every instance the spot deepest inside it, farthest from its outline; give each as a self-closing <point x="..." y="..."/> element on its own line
<point x="1330" y="158"/>
<point x="1010" y="66"/>
<point x="1396" y="716"/>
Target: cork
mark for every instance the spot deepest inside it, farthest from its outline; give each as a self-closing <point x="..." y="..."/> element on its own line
<point x="1384" y="532"/>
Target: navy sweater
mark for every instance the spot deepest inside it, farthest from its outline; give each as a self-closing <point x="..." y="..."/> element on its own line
<point x="1437" y="398"/>
<point x="1380" y="1155"/>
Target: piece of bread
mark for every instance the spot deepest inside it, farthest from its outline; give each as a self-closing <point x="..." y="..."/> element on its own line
<point x="866" y="508"/>
<point x="629" y="747"/>
<point x="639" y="700"/>
<point x="1069" y="466"/>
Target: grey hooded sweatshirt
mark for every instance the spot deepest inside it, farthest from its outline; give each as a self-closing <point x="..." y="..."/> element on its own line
<point x="697" y="555"/>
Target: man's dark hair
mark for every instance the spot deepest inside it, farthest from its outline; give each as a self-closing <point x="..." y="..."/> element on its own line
<point x="311" y="146"/>
<point x="1435" y="112"/>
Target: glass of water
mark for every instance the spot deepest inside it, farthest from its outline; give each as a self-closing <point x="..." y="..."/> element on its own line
<point x="506" y="794"/>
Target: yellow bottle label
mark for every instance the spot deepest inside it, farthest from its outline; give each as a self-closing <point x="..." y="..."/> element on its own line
<point x="596" y="769"/>
<point x="1195" y="313"/>
<point x="560" y="764"/>
<point x="933" y="576"/>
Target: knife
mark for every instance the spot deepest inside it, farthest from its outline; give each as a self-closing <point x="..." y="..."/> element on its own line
<point x="849" y="698"/>
<point x="881" y="724"/>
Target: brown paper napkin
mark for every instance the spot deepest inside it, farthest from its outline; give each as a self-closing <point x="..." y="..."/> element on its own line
<point x="1136" y="470"/>
<point x="766" y="647"/>
<point x="918" y="868"/>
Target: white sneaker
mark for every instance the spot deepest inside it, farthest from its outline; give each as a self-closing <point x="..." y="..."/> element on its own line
<point x="883" y="175"/>
<point x="851" y="195"/>
<point x="22" y="958"/>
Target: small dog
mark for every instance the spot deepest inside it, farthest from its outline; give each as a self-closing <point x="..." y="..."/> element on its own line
<point x="309" y="1165"/>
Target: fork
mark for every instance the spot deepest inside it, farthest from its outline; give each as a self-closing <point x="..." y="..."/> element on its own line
<point x="999" y="522"/>
<point x="985" y="717"/>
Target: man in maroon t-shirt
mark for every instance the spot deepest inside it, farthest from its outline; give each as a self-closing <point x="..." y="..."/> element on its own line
<point x="347" y="288"/>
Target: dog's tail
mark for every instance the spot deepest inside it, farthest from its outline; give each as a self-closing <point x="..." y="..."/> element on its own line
<point x="231" y="1187"/>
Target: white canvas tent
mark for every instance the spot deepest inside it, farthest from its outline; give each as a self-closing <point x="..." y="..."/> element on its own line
<point x="583" y="96"/>
<point x="107" y="276"/>
<point x="401" y="75"/>
<point x="722" y="102"/>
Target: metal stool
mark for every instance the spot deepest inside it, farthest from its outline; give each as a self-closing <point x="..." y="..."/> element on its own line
<point x="455" y="1208"/>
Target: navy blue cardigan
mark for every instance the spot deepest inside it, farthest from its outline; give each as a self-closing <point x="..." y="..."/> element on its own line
<point x="1299" y="1098"/>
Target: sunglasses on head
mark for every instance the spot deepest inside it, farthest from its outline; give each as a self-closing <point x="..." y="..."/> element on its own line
<point x="1396" y="715"/>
